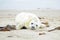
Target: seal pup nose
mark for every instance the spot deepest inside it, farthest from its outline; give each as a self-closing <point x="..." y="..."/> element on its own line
<point x="33" y="28"/>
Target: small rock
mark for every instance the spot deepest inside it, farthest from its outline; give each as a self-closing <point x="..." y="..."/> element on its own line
<point x="11" y="27"/>
<point x="41" y="33"/>
<point x="57" y="28"/>
<point x="10" y="36"/>
<point x="8" y="28"/>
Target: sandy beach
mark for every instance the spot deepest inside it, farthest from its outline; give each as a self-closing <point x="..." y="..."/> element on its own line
<point x="8" y="17"/>
<point x="29" y="35"/>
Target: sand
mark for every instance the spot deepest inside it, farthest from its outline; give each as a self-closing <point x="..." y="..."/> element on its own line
<point x="29" y="35"/>
<point x="7" y="17"/>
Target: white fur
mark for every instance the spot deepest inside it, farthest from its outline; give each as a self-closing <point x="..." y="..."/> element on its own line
<point x="25" y="19"/>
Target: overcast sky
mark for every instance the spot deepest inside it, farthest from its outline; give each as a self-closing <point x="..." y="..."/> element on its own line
<point x="29" y="4"/>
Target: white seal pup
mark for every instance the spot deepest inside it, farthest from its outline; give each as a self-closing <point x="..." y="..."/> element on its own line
<point x="28" y="20"/>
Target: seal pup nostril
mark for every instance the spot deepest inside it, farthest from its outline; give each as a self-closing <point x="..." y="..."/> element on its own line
<point x="33" y="28"/>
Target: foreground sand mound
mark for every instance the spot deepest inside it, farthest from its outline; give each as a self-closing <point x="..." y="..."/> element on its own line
<point x="29" y="35"/>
